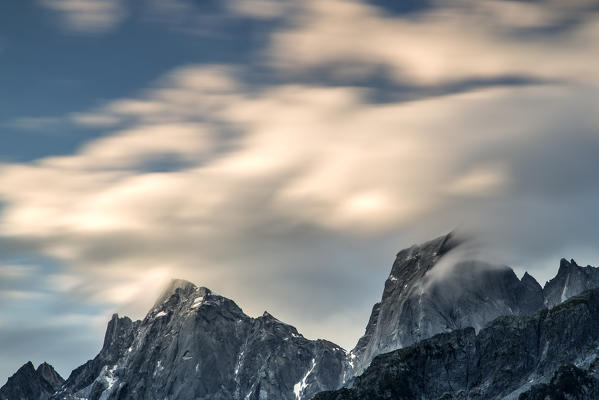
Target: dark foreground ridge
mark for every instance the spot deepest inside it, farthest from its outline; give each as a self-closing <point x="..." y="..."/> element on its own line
<point x="569" y="382"/>
<point x="503" y="361"/>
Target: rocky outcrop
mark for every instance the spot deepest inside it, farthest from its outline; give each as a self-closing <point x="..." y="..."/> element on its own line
<point x="430" y="291"/>
<point x="92" y="378"/>
<point x="502" y="361"/>
<point x="571" y="279"/>
<point x="195" y="344"/>
<point x="568" y="383"/>
<point x="29" y="383"/>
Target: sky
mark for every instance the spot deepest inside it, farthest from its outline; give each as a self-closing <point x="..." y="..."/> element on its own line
<point x="280" y="153"/>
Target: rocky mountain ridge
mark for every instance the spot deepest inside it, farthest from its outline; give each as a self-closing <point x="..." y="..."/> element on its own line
<point x="433" y="289"/>
<point x="195" y="344"/>
<point x="554" y="351"/>
<point x="29" y="383"/>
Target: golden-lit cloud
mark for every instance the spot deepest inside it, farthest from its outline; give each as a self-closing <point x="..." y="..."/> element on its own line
<point x="318" y="157"/>
<point x="258" y="175"/>
<point x="458" y="40"/>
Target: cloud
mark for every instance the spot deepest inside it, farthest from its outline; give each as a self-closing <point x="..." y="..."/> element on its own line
<point x="259" y="9"/>
<point x="303" y="191"/>
<point x="33" y="123"/>
<point x="88" y="16"/>
<point x="270" y="173"/>
<point x="454" y="41"/>
<point x="16" y="271"/>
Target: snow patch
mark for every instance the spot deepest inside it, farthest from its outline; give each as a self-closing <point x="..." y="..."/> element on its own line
<point x="564" y="297"/>
<point x="108" y="376"/>
<point x="159" y="368"/>
<point x="160" y="314"/>
<point x="197" y="302"/>
<point x="239" y="361"/>
<point x="299" y="387"/>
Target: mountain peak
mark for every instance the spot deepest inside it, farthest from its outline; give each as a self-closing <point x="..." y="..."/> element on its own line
<point x="29" y="383"/>
<point x="431" y="290"/>
<point x="49" y="374"/>
<point x="570" y="280"/>
<point x="419" y="258"/>
<point x="187" y="347"/>
<point x="175" y="285"/>
<point x="529" y="280"/>
<point x="565" y="265"/>
<point x="26" y="368"/>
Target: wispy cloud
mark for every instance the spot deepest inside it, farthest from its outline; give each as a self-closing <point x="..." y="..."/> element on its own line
<point x="16" y="271"/>
<point x="298" y="187"/>
<point x="303" y="159"/>
<point x="456" y="40"/>
<point x="88" y="16"/>
<point x="34" y="123"/>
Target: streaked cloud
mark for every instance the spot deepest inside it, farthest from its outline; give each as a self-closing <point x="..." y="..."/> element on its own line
<point x="301" y="159"/>
<point x="456" y="40"/>
<point x="303" y="189"/>
<point x="88" y="16"/>
<point x="16" y="271"/>
<point x="261" y="9"/>
<point x="34" y="123"/>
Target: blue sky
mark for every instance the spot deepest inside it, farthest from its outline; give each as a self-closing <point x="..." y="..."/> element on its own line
<point x="280" y="153"/>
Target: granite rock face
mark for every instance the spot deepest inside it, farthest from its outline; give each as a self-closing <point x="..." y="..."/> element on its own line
<point x="29" y="383"/>
<point x="503" y="361"/>
<point x="428" y="293"/>
<point x="195" y="344"/>
<point x="571" y="279"/>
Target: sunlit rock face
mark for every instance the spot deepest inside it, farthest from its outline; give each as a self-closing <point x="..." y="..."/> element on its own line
<point x="30" y="383"/>
<point x="552" y="353"/>
<point x="425" y="294"/>
<point x="194" y="344"/>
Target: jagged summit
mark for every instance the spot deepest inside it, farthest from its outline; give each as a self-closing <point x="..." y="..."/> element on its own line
<point x="512" y="358"/>
<point x="425" y="255"/>
<point x="527" y="277"/>
<point x="570" y="280"/>
<point x="565" y="265"/>
<point x="197" y="344"/>
<point x="49" y="374"/>
<point x="182" y="285"/>
<point x="434" y="287"/>
<point x="29" y="383"/>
